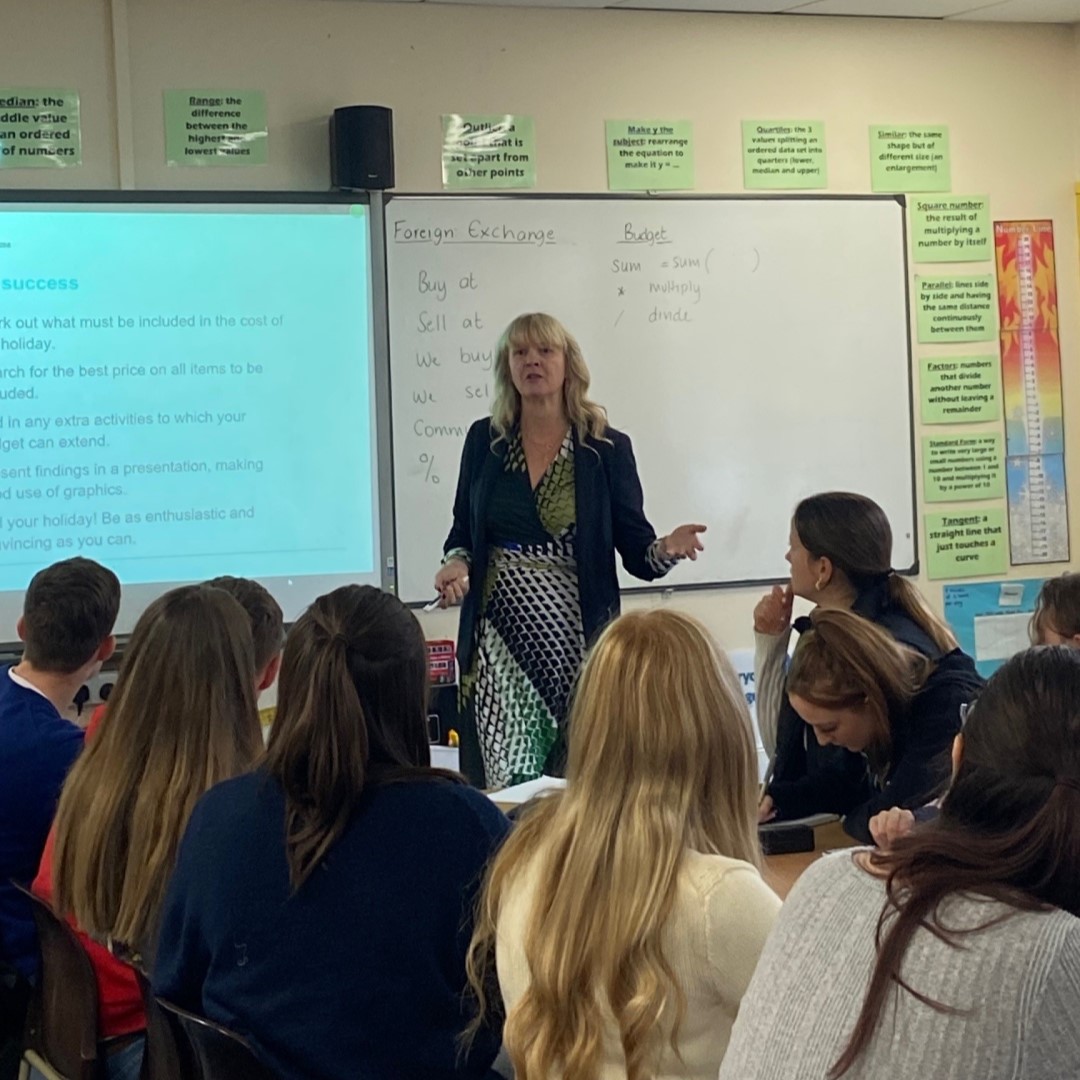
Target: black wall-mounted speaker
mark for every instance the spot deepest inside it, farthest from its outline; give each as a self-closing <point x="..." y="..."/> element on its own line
<point x="362" y="148"/>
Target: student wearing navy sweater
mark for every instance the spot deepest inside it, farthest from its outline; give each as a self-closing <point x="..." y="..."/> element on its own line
<point x="856" y="687"/>
<point x="322" y="906"/>
<point x="66" y="625"/>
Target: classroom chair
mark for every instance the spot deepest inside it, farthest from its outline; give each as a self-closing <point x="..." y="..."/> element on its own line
<point x="208" y="1051"/>
<point x="162" y="1059"/>
<point x="62" y="1024"/>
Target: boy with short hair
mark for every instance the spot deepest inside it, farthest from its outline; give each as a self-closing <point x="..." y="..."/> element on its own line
<point x="67" y="629"/>
<point x="267" y="625"/>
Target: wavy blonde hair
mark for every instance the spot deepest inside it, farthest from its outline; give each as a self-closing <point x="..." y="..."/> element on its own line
<point x="661" y="760"/>
<point x="588" y="419"/>
<point x="182" y="718"/>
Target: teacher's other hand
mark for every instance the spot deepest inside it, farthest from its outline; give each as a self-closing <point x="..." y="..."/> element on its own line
<point x="773" y="612"/>
<point x="766" y="810"/>
<point x="452" y="582"/>
<point x="683" y="542"/>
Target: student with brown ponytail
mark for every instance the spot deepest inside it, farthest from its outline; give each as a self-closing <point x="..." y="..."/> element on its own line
<point x="956" y="955"/>
<point x="322" y="906"/>
<point x="840" y="555"/>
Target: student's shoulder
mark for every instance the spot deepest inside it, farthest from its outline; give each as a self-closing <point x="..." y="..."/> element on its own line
<point x="34" y="719"/>
<point x="953" y="682"/>
<point x="452" y="800"/>
<point x="830" y="876"/>
<point x="253" y="793"/>
<point x="706" y="875"/>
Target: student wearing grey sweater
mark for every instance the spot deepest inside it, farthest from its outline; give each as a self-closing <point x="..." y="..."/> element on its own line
<point x="956" y="956"/>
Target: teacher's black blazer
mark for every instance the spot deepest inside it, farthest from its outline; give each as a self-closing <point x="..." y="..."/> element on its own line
<point x="610" y="517"/>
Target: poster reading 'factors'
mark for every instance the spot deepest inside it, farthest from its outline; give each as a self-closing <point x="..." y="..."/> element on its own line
<point x="1031" y="384"/>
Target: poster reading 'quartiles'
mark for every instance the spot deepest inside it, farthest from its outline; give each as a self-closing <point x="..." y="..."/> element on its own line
<point x="39" y="129"/>
<point x="1031" y="383"/>
<point x="783" y="154"/>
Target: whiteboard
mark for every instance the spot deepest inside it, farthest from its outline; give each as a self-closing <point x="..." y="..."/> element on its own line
<point x="755" y="350"/>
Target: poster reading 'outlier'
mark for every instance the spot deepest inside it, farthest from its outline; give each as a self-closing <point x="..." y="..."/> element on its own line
<point x="1031" y="384"/>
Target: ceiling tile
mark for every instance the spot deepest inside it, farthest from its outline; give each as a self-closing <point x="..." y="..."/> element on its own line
<point x="1051" y="11"/>
<point x="740" y="7"/>
<point x="896" y="9"/>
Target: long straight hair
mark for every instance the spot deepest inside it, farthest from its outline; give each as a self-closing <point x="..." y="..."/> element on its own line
<point x="181" y="719"/>
<point x="853" y="532"/>
<point x="1009" y="827"/>
<point x="845" y="661"/>
<point x="661" y="760"/>
<point x="352" y="712"/>
<point x="586" y="417"/>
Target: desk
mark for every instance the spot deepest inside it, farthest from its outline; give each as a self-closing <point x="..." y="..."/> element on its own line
<point x="782" y="871"/>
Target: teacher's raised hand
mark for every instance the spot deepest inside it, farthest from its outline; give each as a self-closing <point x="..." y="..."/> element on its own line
<point x="683" y="542"/>
<point x="452" y="582"/>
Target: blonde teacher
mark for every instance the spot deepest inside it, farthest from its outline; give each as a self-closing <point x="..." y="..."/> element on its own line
<point x="546" y="495"/>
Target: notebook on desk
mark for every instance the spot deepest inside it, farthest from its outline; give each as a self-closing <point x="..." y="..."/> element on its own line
<point x="519" y="794"/>
<point x="787" y="837"/>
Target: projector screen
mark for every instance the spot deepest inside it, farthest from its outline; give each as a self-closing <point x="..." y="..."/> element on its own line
<point x="187" y="390"/>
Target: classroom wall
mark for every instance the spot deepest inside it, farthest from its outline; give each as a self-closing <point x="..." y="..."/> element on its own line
<point x="64" y="44"/>
<point x="1008" y="92"/>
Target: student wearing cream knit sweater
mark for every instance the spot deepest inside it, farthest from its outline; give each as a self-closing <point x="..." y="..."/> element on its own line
<point x="625" y="915"/>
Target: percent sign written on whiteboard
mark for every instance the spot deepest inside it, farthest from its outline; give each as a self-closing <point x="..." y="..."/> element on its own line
<point x="428" y="463"/>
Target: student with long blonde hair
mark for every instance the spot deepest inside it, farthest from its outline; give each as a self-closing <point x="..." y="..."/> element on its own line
<point x="181" y="718"/>
<point x="625" y="915"/>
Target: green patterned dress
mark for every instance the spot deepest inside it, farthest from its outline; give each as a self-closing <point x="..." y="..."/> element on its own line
<point x="530" y="639"/>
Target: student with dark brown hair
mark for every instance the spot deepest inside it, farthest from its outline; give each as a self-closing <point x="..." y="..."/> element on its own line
<point x="840" y="554"/>
<point x="67" y="627"/>
<point x="1056" y="620"/>
<point x="322" y="906"/>
<point x="957" y="954"/>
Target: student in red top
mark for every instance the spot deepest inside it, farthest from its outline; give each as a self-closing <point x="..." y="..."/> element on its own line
<point x="121" y="1018"/>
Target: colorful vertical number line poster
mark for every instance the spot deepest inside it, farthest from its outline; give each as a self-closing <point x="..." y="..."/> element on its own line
<point x="1031" y="385"/>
